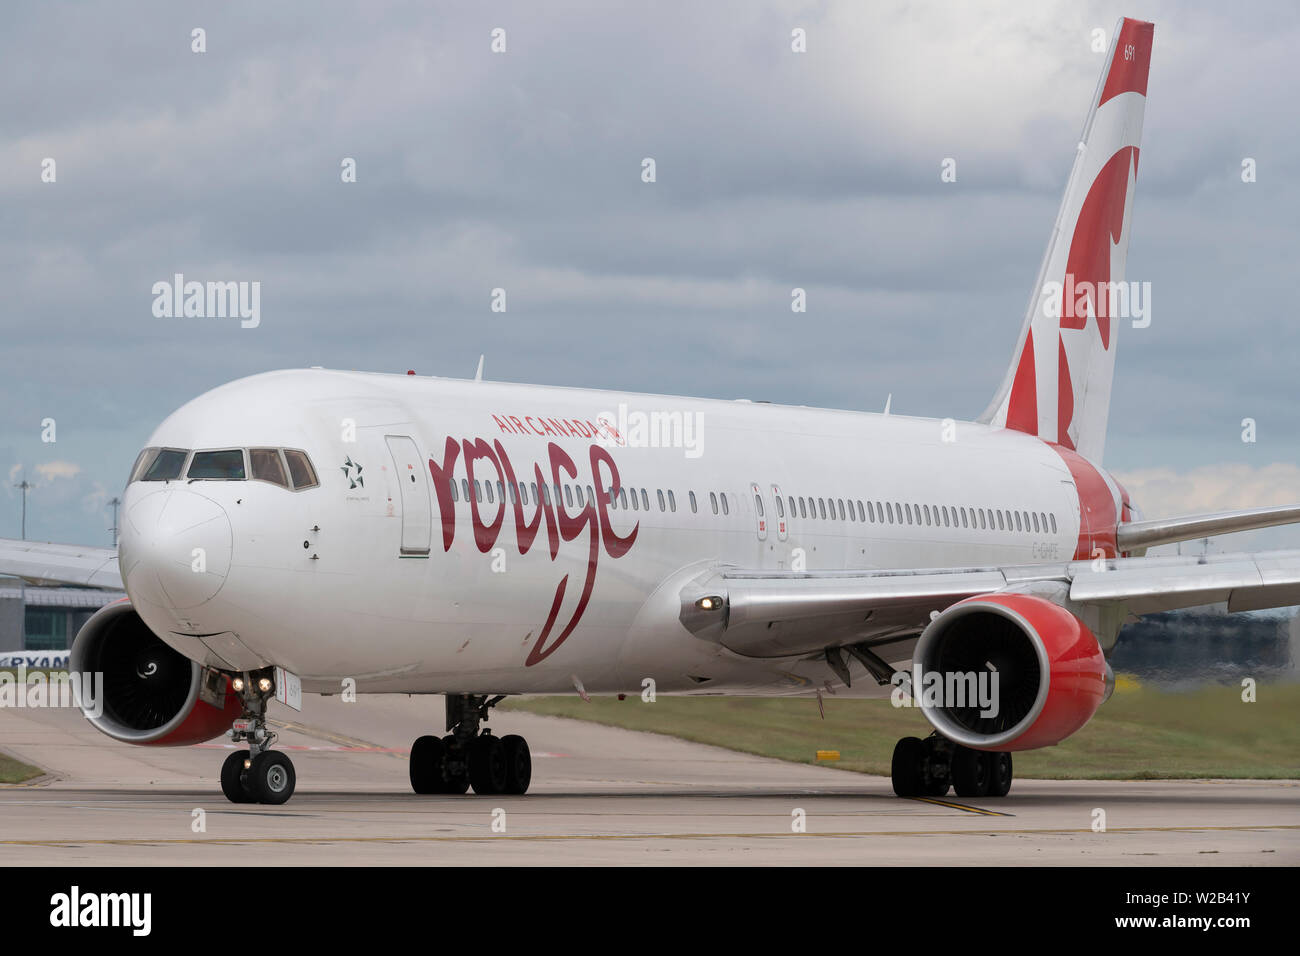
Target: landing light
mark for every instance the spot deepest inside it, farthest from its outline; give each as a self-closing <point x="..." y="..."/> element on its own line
<point x="711" y="603"/>
<point x="264" y="684"/>
<point x="238" y="685"/>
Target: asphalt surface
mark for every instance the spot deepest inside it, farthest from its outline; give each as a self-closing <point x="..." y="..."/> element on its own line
<point x="599" y="795"/>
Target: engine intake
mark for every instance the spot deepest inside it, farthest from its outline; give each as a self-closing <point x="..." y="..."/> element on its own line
<point x="1051" y="673"/>
<point x="151" y="693"/>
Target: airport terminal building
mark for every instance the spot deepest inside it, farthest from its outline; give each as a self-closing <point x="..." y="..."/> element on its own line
<point x="46" y="618"/>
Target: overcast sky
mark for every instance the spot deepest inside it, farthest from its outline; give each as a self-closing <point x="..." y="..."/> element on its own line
<point x="522" y="170"/>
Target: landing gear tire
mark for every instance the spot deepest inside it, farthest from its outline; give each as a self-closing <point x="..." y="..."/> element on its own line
<point x="519" y="764"/>
<point x="937" y="769"/>
<point x="427" y="755"/>
<point x="972" y="772"/>
<point x="232" y="778"/>
<point x="1000" y="774"/>
<point x="487" y="765"/>
<point x="455" y="772"/>
<point x="271" y="777"/>
<point x="907" y="769"/>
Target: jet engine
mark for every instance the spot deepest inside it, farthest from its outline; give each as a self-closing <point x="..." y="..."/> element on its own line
<point x="1051" y="675"/>
<point x="149" y="693"/>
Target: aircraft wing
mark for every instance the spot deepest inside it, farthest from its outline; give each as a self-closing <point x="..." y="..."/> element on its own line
<point x="39" y="563"/>
<point x="787" y="613"/>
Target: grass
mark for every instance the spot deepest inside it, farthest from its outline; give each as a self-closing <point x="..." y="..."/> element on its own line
<point x="1140" y="733"/>
<point x="15" y="771"/>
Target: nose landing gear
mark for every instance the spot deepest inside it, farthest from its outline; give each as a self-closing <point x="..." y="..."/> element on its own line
<point x="258" y="774"/>
<point x="470" y="757"/>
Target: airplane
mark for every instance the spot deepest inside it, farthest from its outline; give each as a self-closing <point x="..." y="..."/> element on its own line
<point x="318" y="531"/>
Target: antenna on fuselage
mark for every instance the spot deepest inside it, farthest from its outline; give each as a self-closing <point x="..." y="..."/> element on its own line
<point x="888" y="399"/>
<point x="478" y="375"/>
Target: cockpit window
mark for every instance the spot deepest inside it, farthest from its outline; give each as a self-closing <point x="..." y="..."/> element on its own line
<point x="267" y="466"/>
<point x="300" y="470"/>
<point x="225" y="465"/>
<point x="166" y="465"/>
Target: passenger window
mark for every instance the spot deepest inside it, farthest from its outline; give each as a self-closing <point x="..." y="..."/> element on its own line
<point x="217" y="465"/>
<point x="713" y="500"/>
<point x="725" y="509"/>
<point x="487" y="489"/>
<point x="691" y="495"/>
<point x="889" y="508"/>
<point x="478" y="491"/>
<point x="780" y="507"/>
<point x="1036" y="528"/>
<point x="983" y="514"/>
<point x="568" y="495"/>
<point x="537" y="498"/>
<point x="839" y="504"/>
<point x="166" y="466"/>
<point x="645" y="501"/>
<point x="635" y="503"/>
<point x="546" y="493"/>
<point x="758" y="505"/>
<point x="301" y="472"/>
<point x="523" y="492"/>
<point x="514" y="497"/>
<point x="871" y="512"/>
<point x="464" y="486"/>
<point x="862" y="514"/>
<point x="926" y="509"/>
<point x="1053" y="517"/>
<point x="1018" y="527"/>
<point x="659" y="493"/>
<point x="909" y="513"/>
<point x="793" y="509"/>
<point x="266" y="466"/>
<point x="672" y="501"/>
<point x="622" y="498"/>
<point x="821" y="508"/>
<point x="803" y="512"/>
<point x="451" y="483"/>
<point x="501" y="492"/>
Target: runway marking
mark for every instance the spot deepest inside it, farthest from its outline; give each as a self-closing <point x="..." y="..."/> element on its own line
<point x="962" y="806"/>
<point x="555" y="837"/>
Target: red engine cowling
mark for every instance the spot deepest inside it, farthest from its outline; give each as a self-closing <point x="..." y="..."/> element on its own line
<point x="1051" y="673"/>
<point x="148" y="693"/>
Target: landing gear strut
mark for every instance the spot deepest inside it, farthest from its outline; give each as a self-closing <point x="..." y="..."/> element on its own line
<point x="470" y="757"/>
<point x="258" y="774"/>
<point x="927" y="768"/>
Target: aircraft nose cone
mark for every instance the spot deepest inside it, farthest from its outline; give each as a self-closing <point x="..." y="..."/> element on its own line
<point x="174" y="548"/>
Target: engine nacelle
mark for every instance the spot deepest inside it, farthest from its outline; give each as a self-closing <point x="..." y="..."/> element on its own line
<point x="150" y="693"/>
<point x="1051" y="673"/>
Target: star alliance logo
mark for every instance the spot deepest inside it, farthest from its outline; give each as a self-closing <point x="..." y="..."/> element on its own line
<point x="352" y="472"/>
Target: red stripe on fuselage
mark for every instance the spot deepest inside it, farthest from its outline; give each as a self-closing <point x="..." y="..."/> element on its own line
<point x="1097" y="514"/>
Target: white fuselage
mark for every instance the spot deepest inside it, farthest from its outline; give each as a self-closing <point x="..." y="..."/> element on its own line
<point x="378" y="576"/>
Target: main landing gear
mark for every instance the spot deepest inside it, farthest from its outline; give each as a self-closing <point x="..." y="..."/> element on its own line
<point x="927" y="768"/>
<point x="468" y="757"/>
<point x="258" y="774"/>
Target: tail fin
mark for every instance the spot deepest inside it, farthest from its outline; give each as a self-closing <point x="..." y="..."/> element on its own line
<point x="1058" y="385"/>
